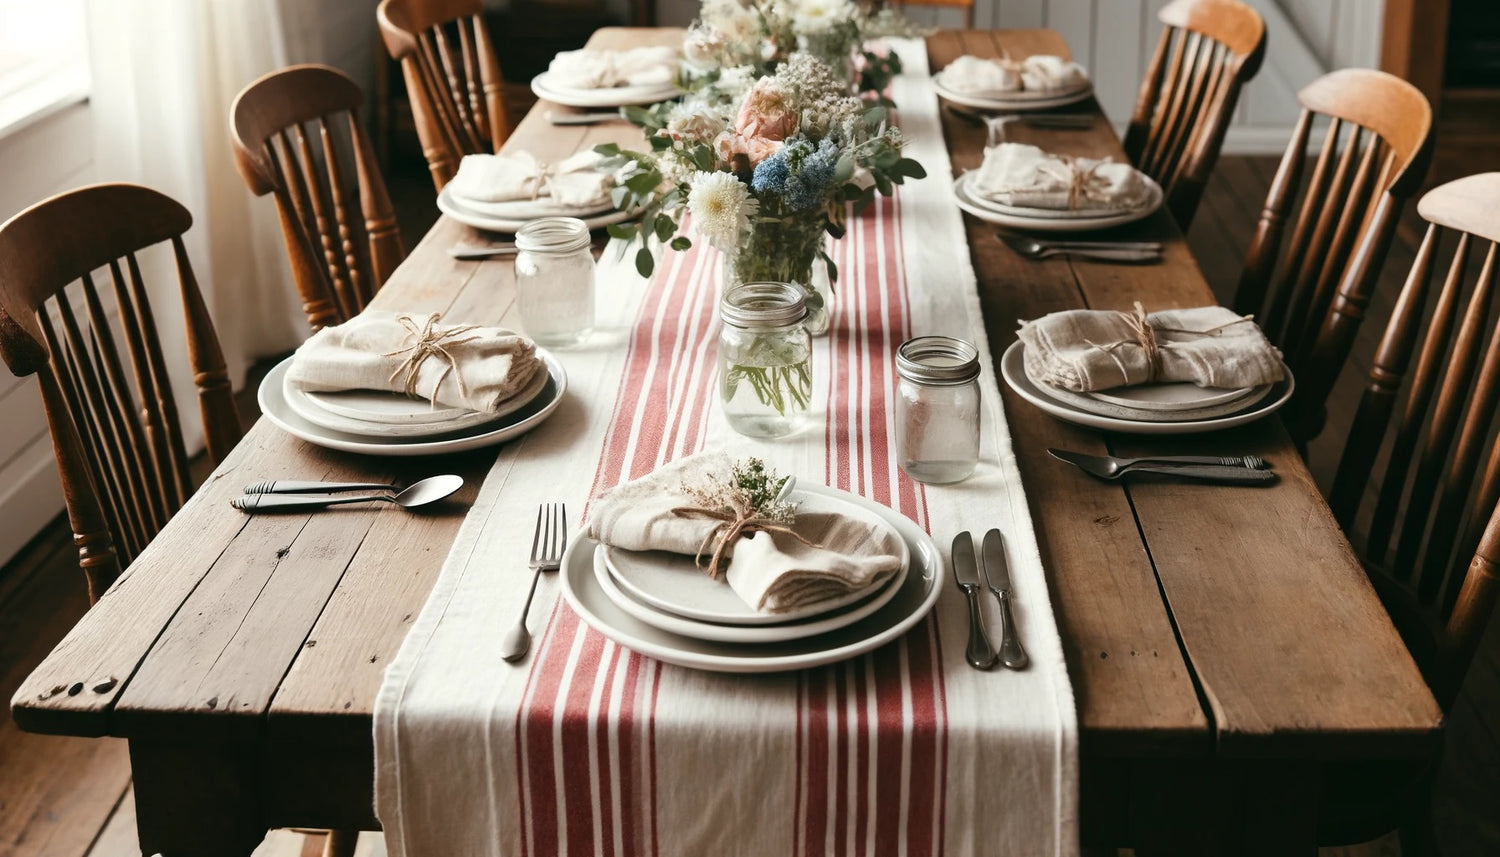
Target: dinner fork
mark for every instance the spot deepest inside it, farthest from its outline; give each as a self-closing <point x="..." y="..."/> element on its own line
<point x="546" y="555"/>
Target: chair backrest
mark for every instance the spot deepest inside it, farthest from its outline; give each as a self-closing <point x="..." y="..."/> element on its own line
<point x="1432" y="501"/>
<point x="1209" y="50"/>
<point x="1311" y="299"/>
<point x="117" y="436"/>
<point x="966" y="5"/>
<point x="341" y="249"/>
<point x="452" y="78"/>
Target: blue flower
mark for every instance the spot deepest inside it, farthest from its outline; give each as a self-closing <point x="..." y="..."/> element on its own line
<point x="771" y="175"/>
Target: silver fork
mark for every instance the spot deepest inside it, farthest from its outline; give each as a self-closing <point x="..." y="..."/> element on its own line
<point x="546" y="555"/>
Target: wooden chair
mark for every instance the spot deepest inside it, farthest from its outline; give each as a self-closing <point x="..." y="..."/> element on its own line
<point x="1209" y="50"/>
<point x="966" y="5"/>
<point x="340" y="254"/>
<point x="452" y="78"/>
<point x="115" y="431"/>
<point x="1374" y="156"/>
<point x="1432" y="543"/>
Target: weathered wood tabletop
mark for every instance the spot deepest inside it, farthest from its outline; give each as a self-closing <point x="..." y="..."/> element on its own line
<point x="1223" y="643"/>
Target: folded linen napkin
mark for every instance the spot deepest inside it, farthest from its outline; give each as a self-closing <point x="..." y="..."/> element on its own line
<point x="461" y="366"/>
<point x="996" y="78"/>
<point x="590" y="69"/>
<point x="574" y="181"/>
<point x="1100" y="349"/>
<point x="771" y="571"/>
<point x="1022" y="175"/>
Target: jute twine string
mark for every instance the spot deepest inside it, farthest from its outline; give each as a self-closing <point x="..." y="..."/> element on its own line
<point x="733" y="524"/>
<point x="1145" y="338"/>
<point x="425" y="341"/>
<point x="1083" y="183"/>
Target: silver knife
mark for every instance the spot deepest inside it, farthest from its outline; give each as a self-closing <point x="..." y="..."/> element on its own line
<point x="1106" y="468"/>
<point x="997" y="577"/>
<point x="980" y="654"/>
<point x="581" y="118"/>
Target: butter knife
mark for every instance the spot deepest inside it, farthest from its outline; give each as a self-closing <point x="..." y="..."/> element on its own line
<point x="996" y="574"/>
<point x="980" y="654"/>
<point x="582" y="118"/>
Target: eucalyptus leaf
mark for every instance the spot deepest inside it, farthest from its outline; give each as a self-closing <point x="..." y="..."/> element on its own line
<point x="645" y="263"/>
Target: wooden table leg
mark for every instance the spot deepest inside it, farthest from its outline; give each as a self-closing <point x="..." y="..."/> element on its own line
<point x="195" y="799"/>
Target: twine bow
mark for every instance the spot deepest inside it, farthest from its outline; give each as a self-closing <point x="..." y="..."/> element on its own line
<point x="1083" y="182"/>
<point x="541" y="179"/>
<point x="733" y="524"/>
<point x="426" y="341"/>
<point x="1145" y="337"/>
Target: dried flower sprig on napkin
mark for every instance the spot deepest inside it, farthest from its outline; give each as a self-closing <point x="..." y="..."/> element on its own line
<point x="744" y="502"/>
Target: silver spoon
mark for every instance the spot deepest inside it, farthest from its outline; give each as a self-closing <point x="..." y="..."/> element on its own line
<point x="469" y="252"/>
<point x="429" y="490"/>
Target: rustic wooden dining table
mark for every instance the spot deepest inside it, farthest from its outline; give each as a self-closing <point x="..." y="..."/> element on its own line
<point x="1224" y="646"/>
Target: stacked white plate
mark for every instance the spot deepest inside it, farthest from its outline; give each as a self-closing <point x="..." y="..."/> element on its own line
<point x="613" y="96"/>
<point x="663" y="605"/>
<point x="512" y="215"/>
<point x="1051" y="219"/>
<point x="1012" y="102"/>
<point x="381" y="423"/>
<point x="1171" y="408"/>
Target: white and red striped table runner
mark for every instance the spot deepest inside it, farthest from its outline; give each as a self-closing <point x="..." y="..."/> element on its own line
<point x="590" y="749"/>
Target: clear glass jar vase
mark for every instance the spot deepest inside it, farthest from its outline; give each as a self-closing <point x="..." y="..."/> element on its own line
<point x="937" y="409"/>
<point x="765" y="359"/>
<point x="555" y="280"/>
<point x="784" y="248"/>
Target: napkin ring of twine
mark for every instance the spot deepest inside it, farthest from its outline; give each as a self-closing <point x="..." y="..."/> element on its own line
<point x="733" y="524"/>
<point x="1145" y="337"/>
<point x="1084" y="183"/>
<point x="426" y="341"/>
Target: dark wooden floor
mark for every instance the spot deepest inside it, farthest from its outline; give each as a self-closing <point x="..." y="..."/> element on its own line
<point x="66" y="797"/>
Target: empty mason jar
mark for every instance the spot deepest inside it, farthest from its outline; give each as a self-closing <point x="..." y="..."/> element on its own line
<point x="937" y="409"/>
<point x="765" y="359"/>
<point x="555" y="280"/>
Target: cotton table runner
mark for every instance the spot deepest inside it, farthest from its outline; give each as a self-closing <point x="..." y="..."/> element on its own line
<point x="587" y="748"/>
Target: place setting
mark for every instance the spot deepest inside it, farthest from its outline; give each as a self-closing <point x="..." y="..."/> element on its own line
<point x="594" y="78"/>
<point x="1022" y="187"/>
<point x="395" y="384"/>
<point x="1039" y="82"/>
<point x="1169" y="372"/>
<point x="726" y="566"/>
<point x="503" y="193"/>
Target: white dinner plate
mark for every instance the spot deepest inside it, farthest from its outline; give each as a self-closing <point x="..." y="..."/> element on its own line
<point x="528" y="209"/>
<point x="274" y="406"/>
<point x="1041" y="220"/>
<point x="372" y="413"/>
<point x="673" y="583"/>
<point x="754" y="634"/>
<point x="1018" y="102"/>
<point x="465" y="215"/>
<point x="617" y="96"/>
<point x="1013" y="370"/>
<point x="910" y="603"/>
<point x="1157" y="403"/>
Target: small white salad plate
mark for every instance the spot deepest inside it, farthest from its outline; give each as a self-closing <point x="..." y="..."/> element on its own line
<point x="274" y="405"/>
<point x="1013" y="370"/>
<point x="1044" y="220"/>
<point x="1015" y="102"/>
<point x="910" y="603"/>
<point x="466" y="215"/>
<point x="617" y="96"/>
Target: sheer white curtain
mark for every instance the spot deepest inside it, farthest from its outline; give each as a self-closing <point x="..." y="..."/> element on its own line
<point x="164" y="75"/>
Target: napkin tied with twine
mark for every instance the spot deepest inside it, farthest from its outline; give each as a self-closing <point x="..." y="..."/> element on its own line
<point x="1022" y="175"/>
<point x="772" y="568"/>
<point x="1084" y="350"/>
<point x="606" y="69"/>
<point x="997" y="78"/>
<point x="463" y="366"/>
<point x="575" y="181"/>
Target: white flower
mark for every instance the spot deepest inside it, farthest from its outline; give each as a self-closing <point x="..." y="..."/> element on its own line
<point x="817" y="16"/>
<point x="696" y="123"/>
<point x="721" y="207"/>
<point x="703" y="45"/>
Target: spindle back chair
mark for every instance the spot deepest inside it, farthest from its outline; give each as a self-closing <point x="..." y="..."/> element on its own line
<point x="114" y="424"/>
<point x="341" y="249"/>
<point x="1433" y="538"/>
<point x="1208" y="51"/>
<point x="452" y="78"/>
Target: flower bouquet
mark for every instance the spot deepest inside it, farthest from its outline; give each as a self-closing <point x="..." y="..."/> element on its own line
<point x="754" y="37"/>
<point x="764" y="176"/>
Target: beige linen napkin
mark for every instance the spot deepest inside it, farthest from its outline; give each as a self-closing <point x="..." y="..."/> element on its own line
<point x="574" y="181"/>
<point x="590" y="69"/>
<point x="991" y="78"/>
<point x="1023" y="175"/>
<point x="772" y="572"/>
<point x="1100" y="349"/>
<point x="459" y="366"/>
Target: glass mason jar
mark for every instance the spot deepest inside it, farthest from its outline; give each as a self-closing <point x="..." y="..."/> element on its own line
<point x="555" y="280"/>
<point x="937" y="409"/>
<point x="783" y="248"/>
<point x="765" y="359"/>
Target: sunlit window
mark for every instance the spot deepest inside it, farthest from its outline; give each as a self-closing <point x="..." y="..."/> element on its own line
<point x="43" y="58"/>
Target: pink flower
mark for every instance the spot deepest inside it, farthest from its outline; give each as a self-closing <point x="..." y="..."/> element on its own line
<point x="767" y="112"/>
<point x="757" y="149"/>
